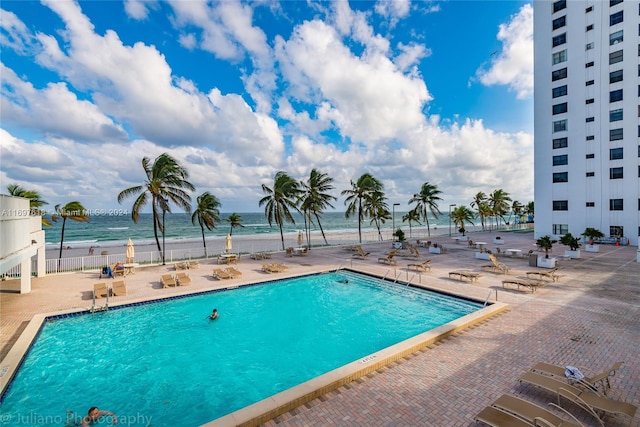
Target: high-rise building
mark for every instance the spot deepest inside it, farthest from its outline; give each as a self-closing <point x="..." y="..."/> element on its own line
<point x="587" y="117"/>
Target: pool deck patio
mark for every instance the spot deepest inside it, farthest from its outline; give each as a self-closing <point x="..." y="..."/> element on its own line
<point x="589" y="318"/>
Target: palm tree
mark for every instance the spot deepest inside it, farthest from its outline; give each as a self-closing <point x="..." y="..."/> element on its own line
<point x="460" y="215"/>
<point x="234" y="220"/>
<point x="35" y="200"/>
<point x="529" y="210"/>
<point x="484" y="211"/>
<point x="360" y="190"/>
<point x="280" y="200"/>
<point x="376" y="208"/>
<point x="427" y="198"/>
<point x="166" y="182"/>
<point x="546" y="243"/>
<point x="315" y="198"/>
<point x="207" y="213"/>
<point x="499" y="201"/>
<point x="478" y="200"/>
<point x="72" y="210"/>
<point x="412" y="216"/>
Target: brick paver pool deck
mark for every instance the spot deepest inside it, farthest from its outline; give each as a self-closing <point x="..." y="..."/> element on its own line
<point x="590" y="317"/>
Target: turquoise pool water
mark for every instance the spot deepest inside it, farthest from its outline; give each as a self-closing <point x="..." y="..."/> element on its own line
<point x="166" y="364"/>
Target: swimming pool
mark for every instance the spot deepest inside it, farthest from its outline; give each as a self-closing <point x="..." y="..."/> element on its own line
<point x="168" y="363"/>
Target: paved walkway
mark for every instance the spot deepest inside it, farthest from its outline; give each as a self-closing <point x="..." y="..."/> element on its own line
<point x="591" y="317"/>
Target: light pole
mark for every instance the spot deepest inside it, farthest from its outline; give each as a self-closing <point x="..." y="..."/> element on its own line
<point x="393" y="220"/>
<point x="450" y="206"/>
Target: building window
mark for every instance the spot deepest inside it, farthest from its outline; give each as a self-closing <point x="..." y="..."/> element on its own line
<point x="559" y="22"/>
<point x="560" y="125"/>
<point x="590" y="83"/>
<point x="616" y="153"/>
<point x="615" y="134"/>
<point x="560" y="143"/>
<point x="589" y="27"/>
<point x="616" y="230"/>
<point x="616" y="205"/>
<point x="561" y="177"/>
<point x="590" y="101"/>
<point x="591" y="156"/>
<point x="559" y="74"/>
<point x="559" y="39"/>
<point x="615" y="38"/>
<point x="590" y="119"/>
<point x="560" y="229"/>
<point x="560" y="205"/>
<point x="615" y="115"/>
<point x="589" y="9"/>
<point x="615" y="76"/>
<point x="560" y="108"/>
<point x="591" y="174"/>
<point x="616" y="18"/>
<point x="590" y="137"/>
<point x="559" y="5"/>
<point x="589" y="46"/>
<point x="615" y="173"/>
<point x="614" y="2"/>
<point x="589" y="64"/>
<point x="559" y="91"/>
<point x="615" y="95"/>
<point x="560" y="160"/>
<point x="590" y="204"/>
<point x="615" y="57"/>
<point x="559" y="57"/>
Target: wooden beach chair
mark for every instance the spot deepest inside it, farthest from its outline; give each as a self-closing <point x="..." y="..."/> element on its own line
<point x="168" y="280"/>
<point x="533" y="285"/>
<point x="465" y="275"/>
<point x="421" y="266"/>
<point x="233" y="272"/>
<point x="220" y="274"/>
<point x="594" y="380"/>
<point x="496" y="266"/>
<point x="360" y="253"/>
<point x="100" y="290"/>
<point x="183" y="279"/>
<point x="545" y="274"/>
<point x="119" y="288"/>
<point x="389" y="259"/>
<point x="529" y="412"/>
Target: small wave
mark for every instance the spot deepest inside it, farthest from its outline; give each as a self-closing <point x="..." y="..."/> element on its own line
<point x="117" y="228"/>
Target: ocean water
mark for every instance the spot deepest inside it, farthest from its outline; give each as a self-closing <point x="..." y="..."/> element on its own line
<point x="117" y="226"/>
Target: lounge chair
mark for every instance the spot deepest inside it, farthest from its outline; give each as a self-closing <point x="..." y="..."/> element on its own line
<point x="465" y="275"/>
<point x="498" y="418"/>
<point x="533" y="285"/>
<point x="545" y="274"/>
<point x="181" y="265"/>
<point x="183" y="279"/>
<point x="280" y="267"/>
<point x="360" y="253"/>
<point x="597" y="381"/>
<point x="118" y="288"/>
<point x="168" y="280"/>
<point x="233" y="272"/>
<point x="421" y="266"/>
<point x="268" y="268"/>
<point x="389" y="258"/>
<point x="221" y="274"/>
<point x="496" y="266"/>
<point x="530" y="411"/>
<point x="100" y="290"/>
<point x="192" y="265"/>
<point x="588" y="400"/>
<point x="118" y="270"/>
<point x="289" y="252"/>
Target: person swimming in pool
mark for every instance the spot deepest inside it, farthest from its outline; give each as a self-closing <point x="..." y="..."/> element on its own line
<point x="214" y="314"/>
<point x="95" y="414"/>
<point x="345" y="281"/>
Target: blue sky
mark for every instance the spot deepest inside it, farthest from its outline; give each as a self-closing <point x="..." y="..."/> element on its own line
<point x="408" y="91"/>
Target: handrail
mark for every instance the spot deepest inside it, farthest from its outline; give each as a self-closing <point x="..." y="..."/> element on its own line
<point x="411" y="280"/>
<point x="487" y="300"/>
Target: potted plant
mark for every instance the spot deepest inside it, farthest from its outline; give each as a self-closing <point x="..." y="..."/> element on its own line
<point x="590" y="234"/>
<point x="546" y="243"/>
<point x="574" y="245"/>
<point x="401" y="239"/>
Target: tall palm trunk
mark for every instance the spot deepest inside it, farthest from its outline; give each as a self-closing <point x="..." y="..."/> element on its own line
<point x="281" y="234"/>
<point x="426" y="218"/>
<point x="64" y="222"/>
<point x="204" y="242"/>
<point x="360" y="220"/>
<point x="155" y="227"/>
<point x="321" y="229"/>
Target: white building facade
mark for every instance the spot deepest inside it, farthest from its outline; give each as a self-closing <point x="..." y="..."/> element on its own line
<point x="587" y="117"/>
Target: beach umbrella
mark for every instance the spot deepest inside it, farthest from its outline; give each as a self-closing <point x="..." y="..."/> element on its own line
<point x="130" y="251"/>
<point x="227" y="244"/>
<point x="300" y="238"/>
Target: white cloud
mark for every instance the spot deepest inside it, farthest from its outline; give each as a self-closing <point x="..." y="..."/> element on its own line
<point x="14" y="34"/>
<point x="513" y="66"/>
<point x="139" y="9"/>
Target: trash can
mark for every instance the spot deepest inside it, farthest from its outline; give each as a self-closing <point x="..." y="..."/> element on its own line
<point x="533" y="260"/>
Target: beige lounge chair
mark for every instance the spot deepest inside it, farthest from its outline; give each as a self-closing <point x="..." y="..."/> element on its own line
<point x="597" y="381"/>
<point x="117" y="271"/>
<point x="118" y="288"/>
<point x="289" y="252"/>
<point x="192" y="265"/>
<point x="221" y="274"/>
<point x="183" y="279"/>
<point x="530" y="411"/>
<point x="181" y="265"/>
<point x="389" y="259"/>
<point x="421" y="266"/>
<point x="496" y="266"/>
<point x="168" y="280"/>
<point x="360" y="253"/>
<point x="498" y="418"/>
<point x="533" y="285"/>
<point x="233" y="272"/>
<point x="100" y="290"/>
<point x="588" y="400"/>
<point x="545" y="274"/>
<point x="465" y="275"/>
